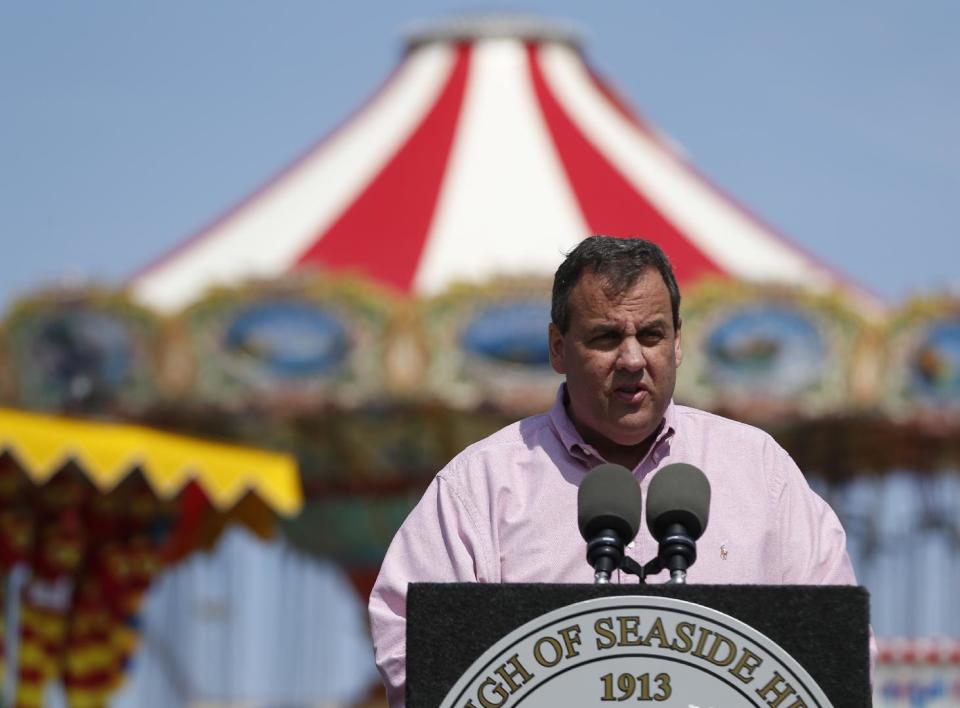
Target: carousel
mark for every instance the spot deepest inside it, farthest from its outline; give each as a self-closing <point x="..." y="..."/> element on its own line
<point x="383" y="302"/>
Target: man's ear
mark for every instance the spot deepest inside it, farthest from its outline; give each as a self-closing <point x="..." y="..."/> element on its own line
<point x="556" y="349"/>
<point x="677" y="349"/>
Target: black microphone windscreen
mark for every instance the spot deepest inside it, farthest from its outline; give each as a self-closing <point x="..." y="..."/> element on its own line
<point x="678" y="494"/>
<point x="609" y="498"/>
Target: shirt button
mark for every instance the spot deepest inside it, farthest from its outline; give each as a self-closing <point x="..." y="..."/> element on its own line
<point x="631" y="544"/>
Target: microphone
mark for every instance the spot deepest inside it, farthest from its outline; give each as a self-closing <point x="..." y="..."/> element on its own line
<point x="608" y="514"/>
<point x="678" y="507"/>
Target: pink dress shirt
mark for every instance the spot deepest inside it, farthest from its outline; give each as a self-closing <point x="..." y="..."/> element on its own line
<point x="505" y="510"/>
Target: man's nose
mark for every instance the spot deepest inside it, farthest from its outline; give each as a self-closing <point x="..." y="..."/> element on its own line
<point x="631" y="355"/>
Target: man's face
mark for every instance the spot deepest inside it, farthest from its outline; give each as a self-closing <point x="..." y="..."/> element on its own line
<point x="620" y="355"/>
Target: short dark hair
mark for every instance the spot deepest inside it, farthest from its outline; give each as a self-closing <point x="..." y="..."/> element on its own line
<point x="619" y="261"/>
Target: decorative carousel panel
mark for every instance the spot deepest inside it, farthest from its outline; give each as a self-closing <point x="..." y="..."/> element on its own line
<point x="353" y="530"/>
<point x="770" y="350"/>
<point x="287" y="344"/>
<point x="489" y="347"/>
<point x="922" y="373"/>
<point x="86" y="352"/>
<point x="364" y="449"/>
<point x="391" y="446"/>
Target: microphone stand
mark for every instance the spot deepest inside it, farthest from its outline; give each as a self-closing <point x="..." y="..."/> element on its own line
<point x="678" y="576"/>
<point x="605" y="554"/>
<point x="677" y="552"/>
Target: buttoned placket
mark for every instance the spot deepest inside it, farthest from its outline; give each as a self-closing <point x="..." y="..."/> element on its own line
<point x="643" y="547"/>
<point x="646" y="547"/>
<point x="586" y="454"/>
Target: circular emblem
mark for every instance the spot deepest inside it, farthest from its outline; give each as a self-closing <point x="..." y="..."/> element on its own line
<point x="935" y="364"/>
<point x="83" y="357"/>
<point x="287" y="339"/>
<point x="653" y="651"/>
<point x="512" y="333"/>
<point x="764" y="349"/>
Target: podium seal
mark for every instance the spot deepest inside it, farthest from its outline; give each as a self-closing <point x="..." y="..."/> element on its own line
<point x="646" y="650"/>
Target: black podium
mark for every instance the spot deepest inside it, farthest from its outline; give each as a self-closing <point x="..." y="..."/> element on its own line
<point x="825" y="629"/>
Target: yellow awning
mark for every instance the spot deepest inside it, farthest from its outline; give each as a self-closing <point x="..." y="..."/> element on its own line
<point x="108" y="452"/>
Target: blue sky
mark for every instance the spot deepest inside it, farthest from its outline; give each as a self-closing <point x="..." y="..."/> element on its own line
<point x="126" y="126"/>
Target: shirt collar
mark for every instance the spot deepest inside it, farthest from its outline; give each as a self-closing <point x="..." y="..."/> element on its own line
<point x="572" y="439"/>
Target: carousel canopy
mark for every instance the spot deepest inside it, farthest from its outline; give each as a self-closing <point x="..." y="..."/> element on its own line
<point x="108" y="452"/>
<point x="491" y="149"/>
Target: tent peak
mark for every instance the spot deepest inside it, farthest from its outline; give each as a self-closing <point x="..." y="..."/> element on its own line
<point x="472" y="28"/>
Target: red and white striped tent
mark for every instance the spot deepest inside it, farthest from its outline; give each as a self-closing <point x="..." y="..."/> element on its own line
<point x="491" y="150"/>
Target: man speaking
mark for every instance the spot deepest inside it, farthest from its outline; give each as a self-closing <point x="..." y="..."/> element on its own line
<point x="505" y="509"/>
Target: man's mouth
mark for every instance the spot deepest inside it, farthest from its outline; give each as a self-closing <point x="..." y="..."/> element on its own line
<point x="630" y="393"/>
